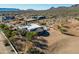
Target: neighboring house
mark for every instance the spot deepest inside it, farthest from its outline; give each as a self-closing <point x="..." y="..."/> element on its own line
<point x="8" y="18"/>
<point x="38" y="17"/>
<point x="32" y="27"/>
<point x="30" y="21"/>
<point x="34" y="19"/>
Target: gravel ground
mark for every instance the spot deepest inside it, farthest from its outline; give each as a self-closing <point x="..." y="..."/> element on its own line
<point x="4" y="49"/>
<point x="62" y="44"/>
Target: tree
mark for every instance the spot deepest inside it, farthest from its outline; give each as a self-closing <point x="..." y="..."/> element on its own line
<point x="22" y="32"/>
<point x="13" y="33"/>
<point x="30" y="35"/>
<point x="7" y="33"/>
<point x="3" y="26"/>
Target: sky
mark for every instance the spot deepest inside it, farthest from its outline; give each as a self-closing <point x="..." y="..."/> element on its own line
<point x="33" y="6"/>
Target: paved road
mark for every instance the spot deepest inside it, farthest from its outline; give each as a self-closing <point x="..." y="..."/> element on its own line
<point x="4" y="49"/>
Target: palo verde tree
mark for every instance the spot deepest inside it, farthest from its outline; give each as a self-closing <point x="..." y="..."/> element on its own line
<point x="30" y="35"/>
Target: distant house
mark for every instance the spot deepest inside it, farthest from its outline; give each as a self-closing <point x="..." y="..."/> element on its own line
<point x="38" y="17"/>
<point x="32" y="27"/>
<point x="34" y="19"/>
<point x="8" y="18"/>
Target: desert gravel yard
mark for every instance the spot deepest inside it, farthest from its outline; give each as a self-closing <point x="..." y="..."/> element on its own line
<point x="59" y="43"/>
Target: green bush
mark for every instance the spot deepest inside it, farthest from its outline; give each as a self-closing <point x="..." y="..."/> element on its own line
<point x="13" y="33"/>
<point x="30" y="35"/>
<point x="3" y="26"/>
<point x="43" y="23"/>
<point x="77" y="19"/>
<point x="63" y="30"/>
<point x="7" y="33"/>
<point x="10" y="33"/>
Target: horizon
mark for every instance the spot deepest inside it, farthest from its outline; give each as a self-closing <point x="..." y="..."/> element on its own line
<point x="33" y="6"/>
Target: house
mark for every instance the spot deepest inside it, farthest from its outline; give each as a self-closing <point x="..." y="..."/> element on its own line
<point x="33" y="27"/>
<point x="8" y="18"/>
<point x="34" y="19"/>
<point x="38" y="17"/>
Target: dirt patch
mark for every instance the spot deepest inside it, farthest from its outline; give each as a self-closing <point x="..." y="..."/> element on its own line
<point x="4" y="49"/>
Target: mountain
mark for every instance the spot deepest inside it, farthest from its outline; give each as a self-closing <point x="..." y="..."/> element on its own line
<point x="9" y="9"/>
<point x="61" y="7"/>
<point x="30" y="10"/>
<point x="51" y="8"/>
<point x="76" y="5"/>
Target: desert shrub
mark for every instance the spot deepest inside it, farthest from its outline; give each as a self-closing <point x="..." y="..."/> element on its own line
<point x="34" y="51"/>
<point x="13" y="33"/>
<point x="10" y="33"/>
<point x="18" y="44"/>
<point x="6" y="43"/>
<point x="12" y="50"/>
<point x="59" y="27"/>
<point x="22" y="32"/>
<point x="77" y="19"/>
<point x="3" y="26"/>
<point x="65" y="26"/>
<point x="7" y="33"/>
<point x="30" y="35"/>
<point x="43" y="23"/>
<point x="63" y="30"/>
<point x="41" y="45"/>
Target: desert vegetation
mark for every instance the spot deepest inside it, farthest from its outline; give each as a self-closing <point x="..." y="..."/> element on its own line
<point x="29" y="42"/>
<point x="63" y="27"/>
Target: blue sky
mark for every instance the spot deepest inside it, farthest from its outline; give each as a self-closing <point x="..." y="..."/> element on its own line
<point x="32" y="6"/>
